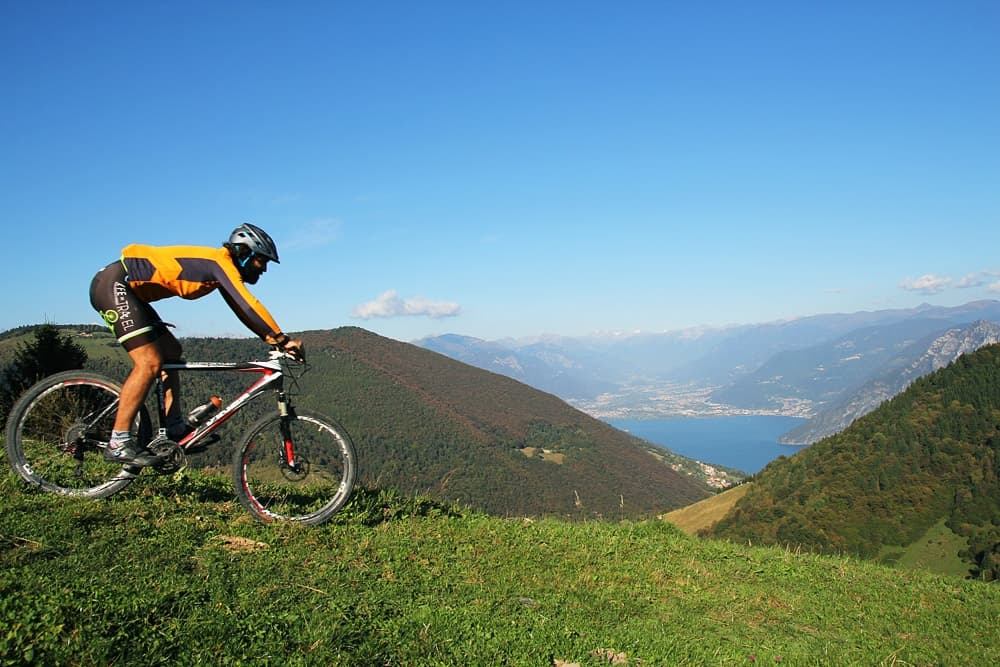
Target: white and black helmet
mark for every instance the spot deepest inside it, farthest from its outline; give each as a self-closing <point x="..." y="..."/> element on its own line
<point x="256" y="240"/>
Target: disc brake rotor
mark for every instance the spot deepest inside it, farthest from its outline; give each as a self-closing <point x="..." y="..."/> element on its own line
<point x="298" y="473"/>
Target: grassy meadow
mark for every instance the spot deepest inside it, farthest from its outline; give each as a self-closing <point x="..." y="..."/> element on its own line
<point x="706" y="513"/>
<point x="172" y="571"/>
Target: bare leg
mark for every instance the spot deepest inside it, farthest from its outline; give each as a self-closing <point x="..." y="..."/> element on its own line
<point x="171" y="396"/>
<point x="147" y="362"/>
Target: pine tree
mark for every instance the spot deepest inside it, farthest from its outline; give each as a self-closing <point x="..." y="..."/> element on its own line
<point x="49" y="352"/>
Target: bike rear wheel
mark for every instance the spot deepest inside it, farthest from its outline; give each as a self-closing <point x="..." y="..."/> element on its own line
<point x="58" y="430"/>
<point x="314" y="487"/>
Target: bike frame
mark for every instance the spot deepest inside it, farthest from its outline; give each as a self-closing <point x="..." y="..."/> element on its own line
<point x="271" y="377"/>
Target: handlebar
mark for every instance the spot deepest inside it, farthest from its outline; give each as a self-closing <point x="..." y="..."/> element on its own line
<point x="282" y="353"/>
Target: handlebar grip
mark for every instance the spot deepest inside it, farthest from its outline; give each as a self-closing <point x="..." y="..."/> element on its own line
<point x="295" y="351"/>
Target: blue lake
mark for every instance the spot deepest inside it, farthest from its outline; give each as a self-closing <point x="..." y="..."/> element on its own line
<point x="747" y="443"/>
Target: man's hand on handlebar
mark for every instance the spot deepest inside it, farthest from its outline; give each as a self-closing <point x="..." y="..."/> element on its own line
<point x="290" y="346"/>
<point x="295" y="348"/>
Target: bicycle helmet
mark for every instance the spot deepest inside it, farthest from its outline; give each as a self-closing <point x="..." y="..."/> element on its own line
<point x="256" y="240"/>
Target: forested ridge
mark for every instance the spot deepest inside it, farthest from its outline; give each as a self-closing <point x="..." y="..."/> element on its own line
<point x="425" y="424"/>
<point x="931" y="453"/>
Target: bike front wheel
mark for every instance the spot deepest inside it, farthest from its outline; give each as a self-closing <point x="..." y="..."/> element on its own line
<point x="58" y="430"/>
<point x="305" y="477"/>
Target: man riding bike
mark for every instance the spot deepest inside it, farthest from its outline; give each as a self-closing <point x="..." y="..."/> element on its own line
<point x="122" y="291"/>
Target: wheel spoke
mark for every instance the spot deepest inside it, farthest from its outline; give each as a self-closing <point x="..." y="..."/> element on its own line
<point x="313" y="488"/>
<point x="58" y="431"/>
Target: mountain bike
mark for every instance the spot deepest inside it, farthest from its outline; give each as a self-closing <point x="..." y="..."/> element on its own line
<point x="292" y="464"/>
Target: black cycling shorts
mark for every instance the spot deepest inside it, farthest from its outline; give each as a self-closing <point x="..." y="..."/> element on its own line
<point x="133" y="321"/>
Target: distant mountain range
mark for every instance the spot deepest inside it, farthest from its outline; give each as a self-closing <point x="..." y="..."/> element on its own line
<point x="931" y="353"/>
<point x="817" y="367"/>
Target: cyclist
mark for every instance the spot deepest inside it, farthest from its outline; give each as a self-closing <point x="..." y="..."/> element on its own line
<point x="122" y="291"/>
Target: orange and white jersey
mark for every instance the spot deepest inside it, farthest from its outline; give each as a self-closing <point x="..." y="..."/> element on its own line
<point x="191" y="272"/>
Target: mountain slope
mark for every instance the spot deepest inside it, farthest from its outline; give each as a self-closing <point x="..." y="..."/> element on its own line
<point x="893" y="377"/>
<point x="821" y="373"/>
<point x="931" y="453"/>
<point x="564" y="368"/>
<point x="737" y="351"/>
<point x="424" y="422"/>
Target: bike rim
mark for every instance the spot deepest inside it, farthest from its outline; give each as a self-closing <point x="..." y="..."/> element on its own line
<point x="60" y="435"/>
<point x="316" y="487"/>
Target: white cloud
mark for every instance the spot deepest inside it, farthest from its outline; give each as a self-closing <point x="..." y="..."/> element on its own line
<point x="928" y="283"/>
<point x="934" y="284"/>
<point x="389" y="304"/>
<point x="971" y="280"/>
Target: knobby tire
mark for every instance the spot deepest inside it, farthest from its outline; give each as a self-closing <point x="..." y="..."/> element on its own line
<point x="310" y="493"/>
<point x="57" y="431"/>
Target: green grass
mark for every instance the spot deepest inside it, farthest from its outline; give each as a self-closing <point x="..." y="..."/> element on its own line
<point x="172" y="571"/>
<point x="706" y="513"/>
<point x="937" y="551"/>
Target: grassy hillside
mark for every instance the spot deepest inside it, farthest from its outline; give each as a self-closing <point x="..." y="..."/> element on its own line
<point x="936" y="551"/>
<point x="97" y="341"/>
<point x="930" y="455"/>
<point x="704" y="514"/>
<point x="172" y="572"/>
<point x="426" y="424"/>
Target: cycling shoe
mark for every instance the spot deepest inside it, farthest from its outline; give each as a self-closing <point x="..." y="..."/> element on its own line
<point x="129" y="455"/>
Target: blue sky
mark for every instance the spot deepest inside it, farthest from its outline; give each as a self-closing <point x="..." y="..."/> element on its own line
<point x="508" y="169"/>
